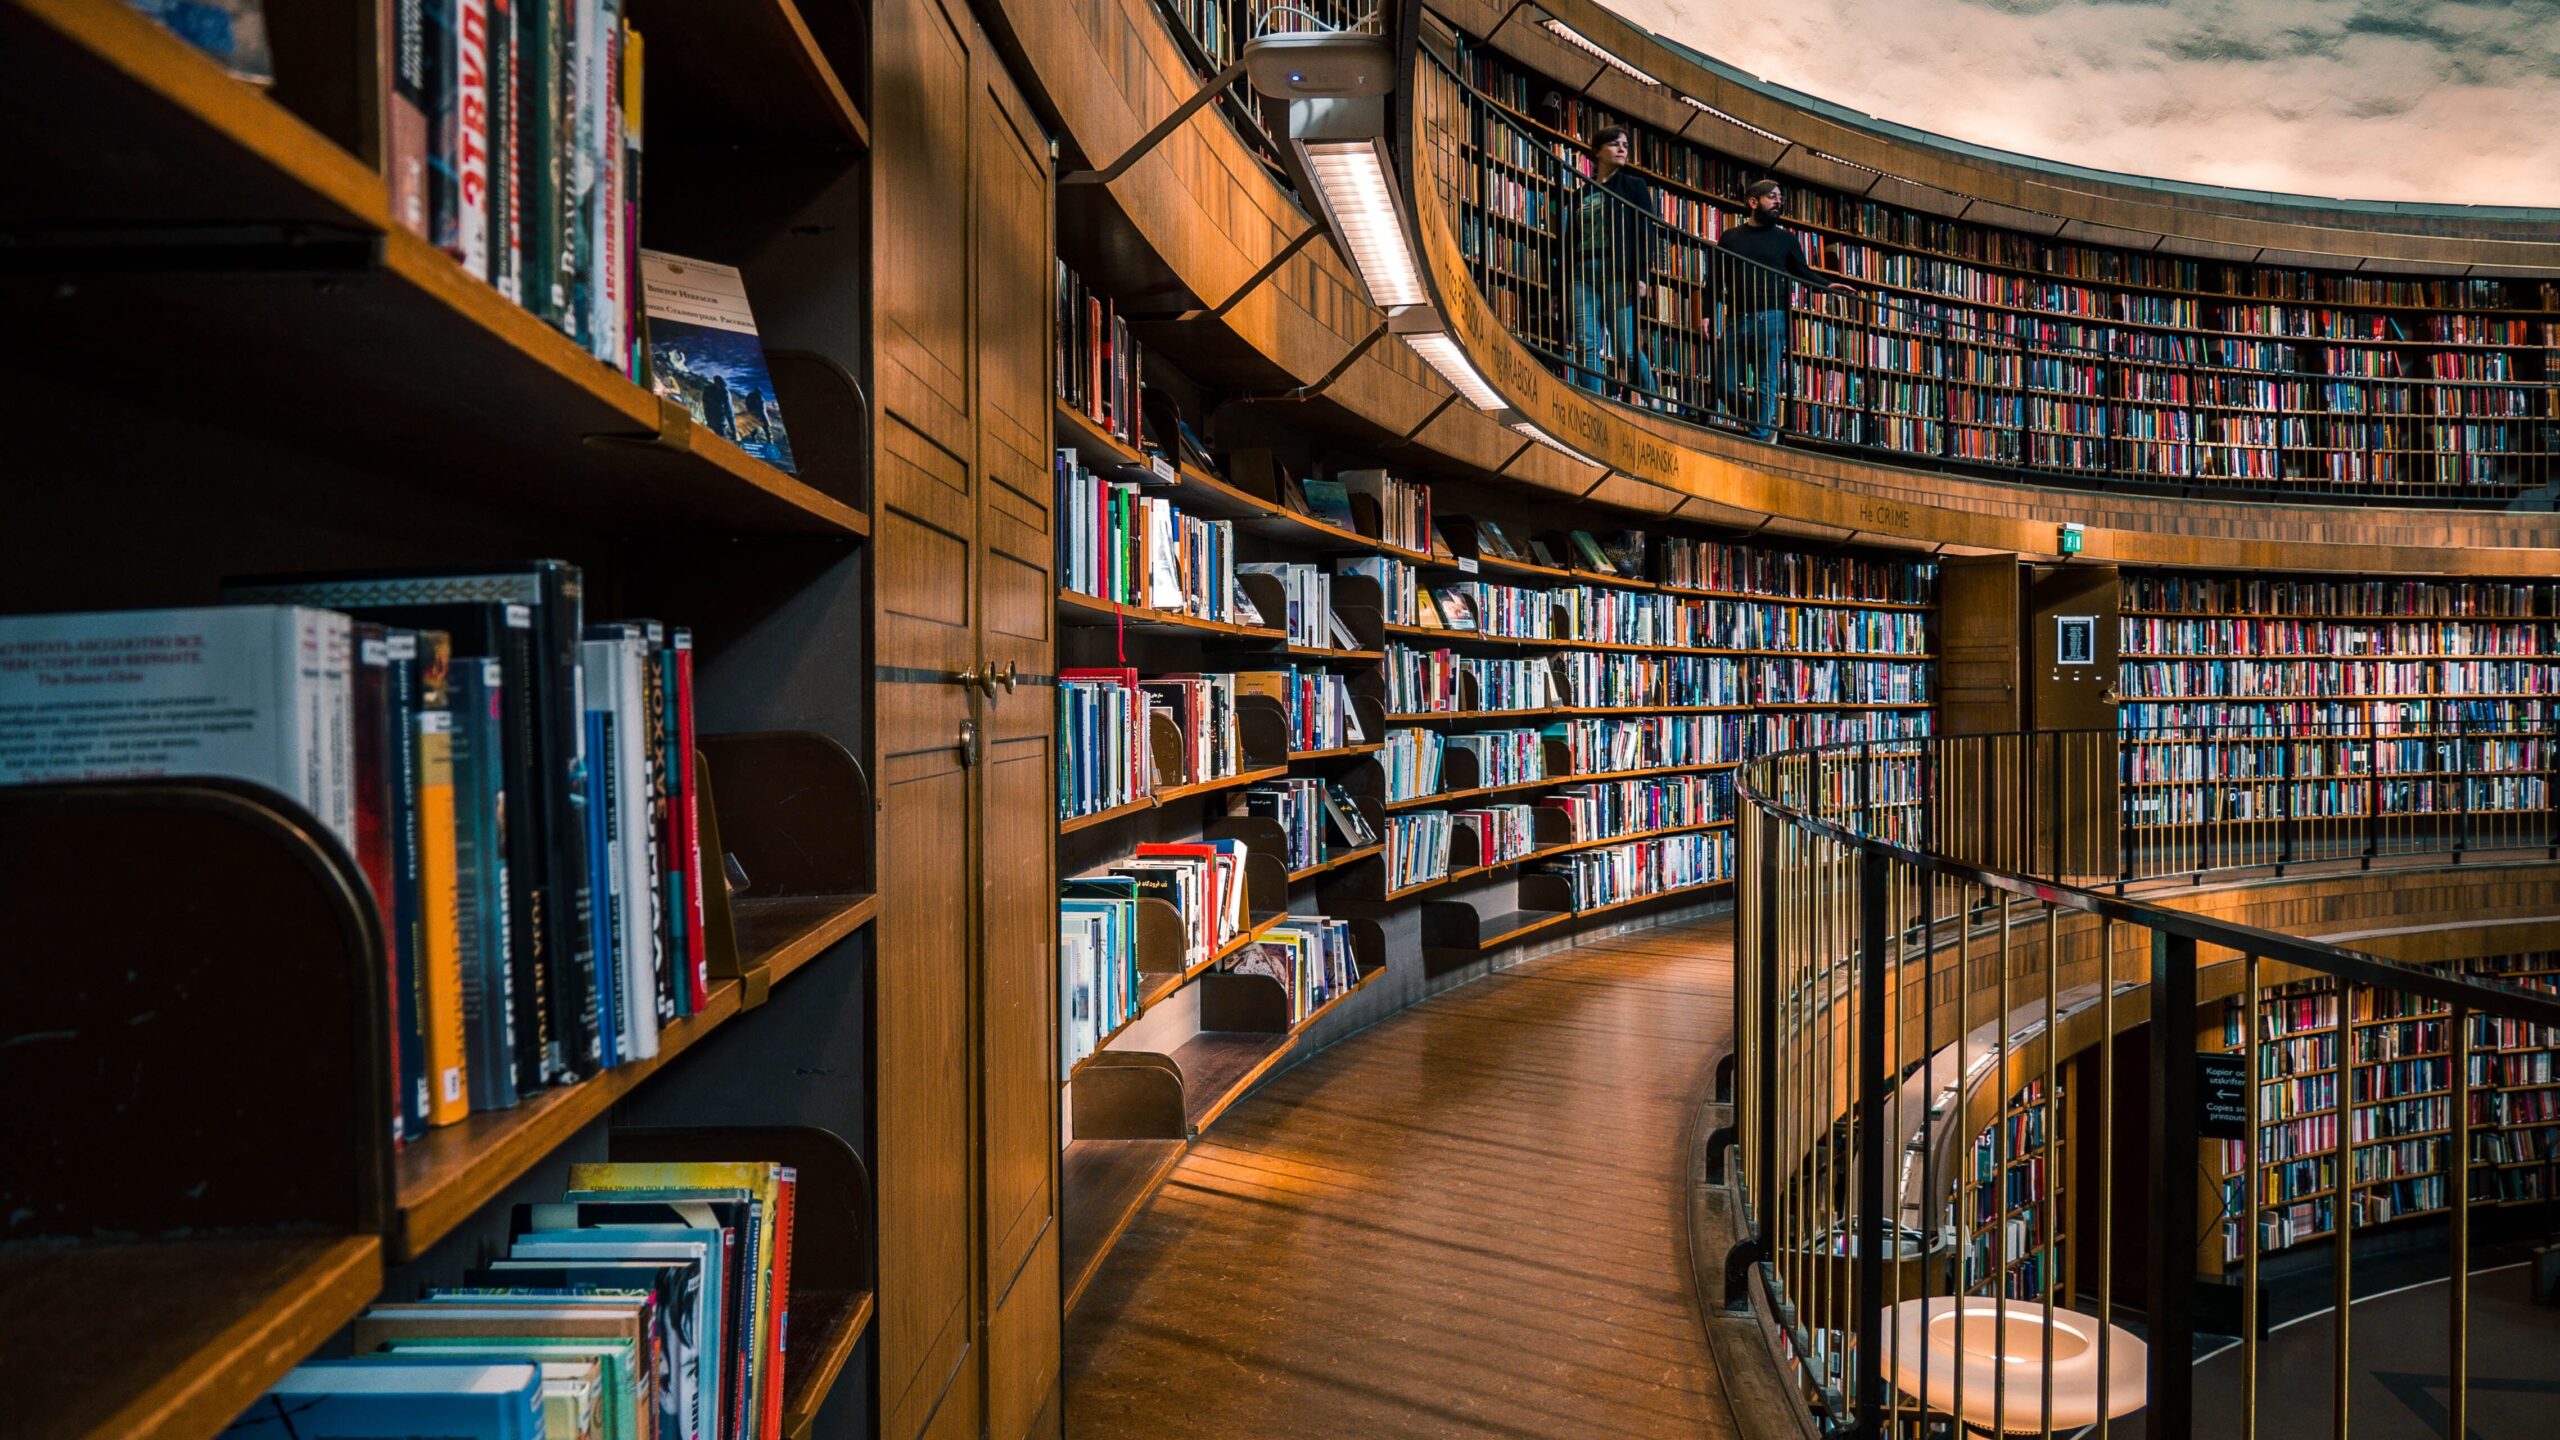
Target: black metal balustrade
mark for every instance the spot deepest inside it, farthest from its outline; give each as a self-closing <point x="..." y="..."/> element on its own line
<point x="1646" y="308"/>
<point x="1942" y="943"/>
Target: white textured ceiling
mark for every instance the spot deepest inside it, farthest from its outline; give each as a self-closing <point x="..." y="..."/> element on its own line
<point x="2359" y="99"/>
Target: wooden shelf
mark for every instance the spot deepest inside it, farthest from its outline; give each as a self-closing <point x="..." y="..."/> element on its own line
<point x="747" y="72"/>
<point x="826" y="1325"/>
<point x="396" y="361"/>
<point x="454" y="1171"/>
<point x="1219" y="1066"/>
<point x="1337" y="753"/>
<point x="784" y="933"/>
<point x="168" y="1340"/>
<point x="1085" y="610"/>
<point x="1348" y="857"/>
<point x="1222" y="782"/>
<point x="1107" y="454"/>
<point x="1138" y="806"/>
<point x="1106" y="1183"/>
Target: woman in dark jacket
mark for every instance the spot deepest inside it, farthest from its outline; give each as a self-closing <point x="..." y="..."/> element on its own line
<point x="1613" y="222"/>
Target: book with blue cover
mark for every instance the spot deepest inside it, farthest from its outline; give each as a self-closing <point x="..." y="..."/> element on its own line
<point x="705" y="356"/>
<point x="378" y="1398"/>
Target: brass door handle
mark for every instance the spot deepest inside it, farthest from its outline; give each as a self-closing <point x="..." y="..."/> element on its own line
<point x="985" y="684"/>
<point x="1011" y="677"/>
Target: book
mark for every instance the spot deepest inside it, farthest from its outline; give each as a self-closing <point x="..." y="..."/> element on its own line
<point x="405" y="934"/>
<point x="704" y="353"/>
<point x="440" y="891"/>
<point x="403" y="24"/>
<point x="618" y="665"/>
<point x="604" y="883"/>
<point x="260" y="693"/>
<point x="372" y="1398"/>
<point x="1457" y="607"/>
<point x="1490" y="540"/>
<point x="1539" y="552"/>
<point x="1329" y="502"/>
<point x="480" y="883"/>
<point x="709" y="1253"/>
<point x="1588" y="551"/>
<point x="697" y="941"/>
<point x="678" y="1303"/>
<point x="233" y="32"/>
<point x="528" y="616"/>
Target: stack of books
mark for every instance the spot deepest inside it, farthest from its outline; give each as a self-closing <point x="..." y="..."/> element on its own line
<point x="535" y="862"/>
<point x="651" y="1300"/>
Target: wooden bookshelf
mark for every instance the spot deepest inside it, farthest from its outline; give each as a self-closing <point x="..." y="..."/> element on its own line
<point x="227" y="1318"/>
<point x="2122" y="315"/>
<point x="306" y="360"/>
<point x="2293" y="1199"/>
<point x="497" y="410"/>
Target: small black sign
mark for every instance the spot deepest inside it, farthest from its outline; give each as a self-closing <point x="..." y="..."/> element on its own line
<point x="2222" y="1097"/>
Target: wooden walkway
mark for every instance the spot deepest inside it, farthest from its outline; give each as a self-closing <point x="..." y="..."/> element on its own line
<point x="1465" y="1221"/>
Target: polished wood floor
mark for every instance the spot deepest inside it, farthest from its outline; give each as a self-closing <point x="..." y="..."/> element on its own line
<point x="1464" y="1221"/>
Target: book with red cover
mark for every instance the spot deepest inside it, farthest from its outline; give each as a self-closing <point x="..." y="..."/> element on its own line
<point x="697" y="962"/>
<point x="786" y="1204"/>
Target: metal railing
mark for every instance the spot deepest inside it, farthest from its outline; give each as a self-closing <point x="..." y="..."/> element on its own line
<point x="1644" y="306"/>
<point x="1980" y="1182"/>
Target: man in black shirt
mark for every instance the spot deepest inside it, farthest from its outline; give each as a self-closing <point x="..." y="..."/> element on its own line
<point x="1756" y="295"/>
<point x="1613" y="222"/>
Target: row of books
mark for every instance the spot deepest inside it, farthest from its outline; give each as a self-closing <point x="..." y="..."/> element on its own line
<point x="650" y="1302"/>
<point x="534" y="862"/>
<point x="1774" y="734"/>
<point x="1502" y="833"/>
<point x="1203" y="880"/>
<point x="1605" y="745"/>
<point x="2312" y="677"/>
<point x="511" y="139"/>
<point x="1318" y="703"/>
<point x="1098" y="973"/>
<point x="2206" y="719"/>
<point x="1307" y="616"/>
<point x="1602" y="809"/>
<point x="1417" y="848"/>
<point x="1313" y="815"/>
<point x="1104" y="756"/>
<point x="1821" y="682"/>
<point x="1614" y="874"/>
<point x="1097" y="363"/>
<point x="1399" y="592"/>
<point x="2331" y="639"/>
<point x="1119" y="544"/>
<point x="1312" y="958"/>
<point x="2257" y="597"/>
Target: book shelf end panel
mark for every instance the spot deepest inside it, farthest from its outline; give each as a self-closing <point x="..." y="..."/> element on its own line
<point x="196" y="931"/>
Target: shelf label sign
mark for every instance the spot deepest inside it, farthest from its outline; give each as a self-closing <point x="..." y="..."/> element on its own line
<point x="2222" y="1097"/>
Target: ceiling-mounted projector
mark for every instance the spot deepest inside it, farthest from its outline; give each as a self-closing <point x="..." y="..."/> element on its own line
<point x="1320" y="65"/>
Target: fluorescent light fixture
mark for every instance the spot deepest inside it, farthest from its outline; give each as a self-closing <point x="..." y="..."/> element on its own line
<point x="1552" y="443"/>
<point x="1694" y="103"/>
<point x="1358" y="192"/>
<point x="1578" y="41"/>
<point x="1441" y="353"/>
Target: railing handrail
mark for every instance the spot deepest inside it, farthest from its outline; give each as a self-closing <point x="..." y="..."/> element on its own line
<point x="2318" y="956"/>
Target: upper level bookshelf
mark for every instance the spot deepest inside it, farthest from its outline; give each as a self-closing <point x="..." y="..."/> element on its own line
<point x="1981" y="347"/>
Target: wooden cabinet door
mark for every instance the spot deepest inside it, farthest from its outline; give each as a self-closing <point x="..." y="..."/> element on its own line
<point x="926" y="621"/>
<point x="1018" y="1078"/>
<point x="966" y="1068"/>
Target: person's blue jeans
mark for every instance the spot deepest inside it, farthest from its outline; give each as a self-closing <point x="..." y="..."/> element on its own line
<point x="1760" y="343"/>
<point x="1605" y="322"/>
